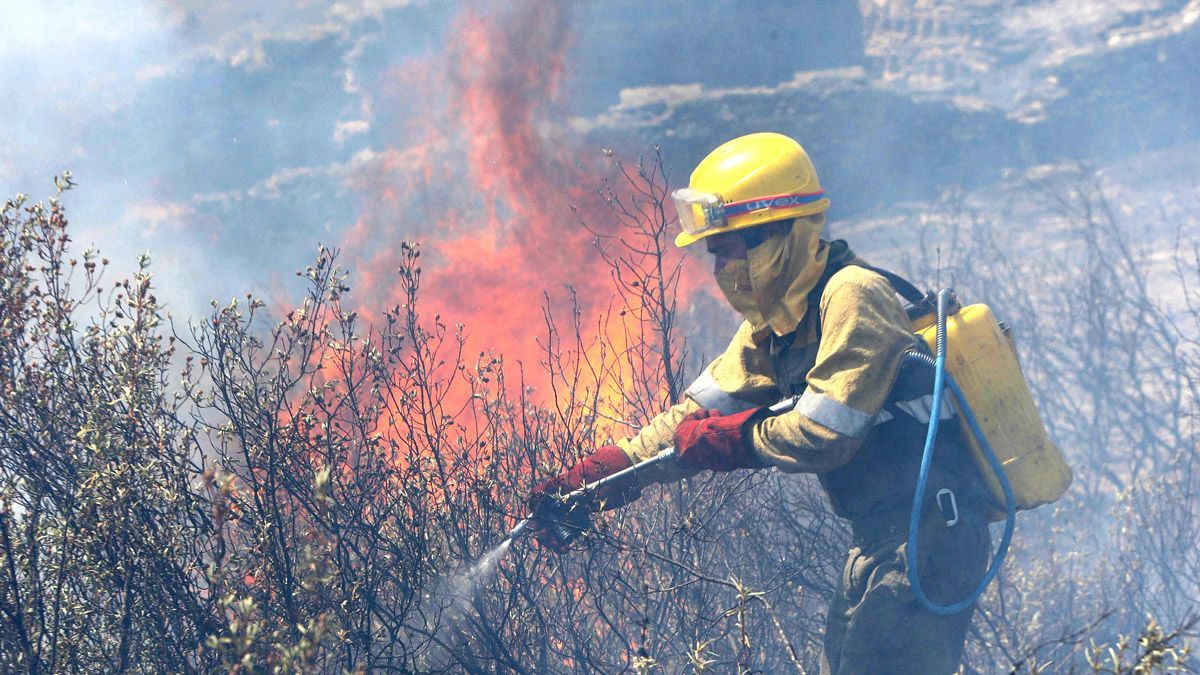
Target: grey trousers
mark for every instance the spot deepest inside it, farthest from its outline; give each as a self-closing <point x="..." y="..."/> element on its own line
<point x="875" y="623"/>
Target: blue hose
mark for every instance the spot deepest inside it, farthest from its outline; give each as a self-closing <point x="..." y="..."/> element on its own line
<point x="940" y="380"/>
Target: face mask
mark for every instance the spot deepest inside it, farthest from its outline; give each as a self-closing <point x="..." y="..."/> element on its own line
<point x="761" y="287"/>
<point x="768" y="266"/>
<point x="753" y="286"/>
<point x="733" y="278"/>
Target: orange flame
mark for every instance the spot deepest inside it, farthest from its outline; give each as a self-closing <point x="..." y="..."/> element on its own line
<point x="495" y="191"/>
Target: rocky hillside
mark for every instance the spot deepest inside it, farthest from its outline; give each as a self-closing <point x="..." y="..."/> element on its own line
<point x="957" y="96"/>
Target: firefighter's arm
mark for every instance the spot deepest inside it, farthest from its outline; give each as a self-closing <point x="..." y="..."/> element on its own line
<point x="653" y="438"/>
<point x="864" y="334"/>
<point x="736" y="380"/>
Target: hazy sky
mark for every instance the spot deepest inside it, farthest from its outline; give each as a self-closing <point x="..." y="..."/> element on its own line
<point x="221" y="135"/>
<point x="228" y="138"/>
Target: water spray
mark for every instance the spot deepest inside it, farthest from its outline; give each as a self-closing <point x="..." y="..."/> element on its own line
<point x="567" y="517"/>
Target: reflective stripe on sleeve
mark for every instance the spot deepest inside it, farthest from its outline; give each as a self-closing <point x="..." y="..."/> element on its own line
<point x="834" y="415"/>
<point x="919" y="408"/>
<point x="709" y="394"/>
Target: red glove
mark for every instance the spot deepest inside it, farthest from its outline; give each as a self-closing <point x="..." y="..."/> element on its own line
<point x="707" y="439"/>
<point x="604" y="462"/>
<point x="555" y="524"/>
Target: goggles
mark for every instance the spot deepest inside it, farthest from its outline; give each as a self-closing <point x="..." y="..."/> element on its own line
<point x="702" y="211"/>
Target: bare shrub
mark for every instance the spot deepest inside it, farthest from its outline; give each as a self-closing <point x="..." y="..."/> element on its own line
<point x="104" y="533"/>
<point x="310" y="491"/>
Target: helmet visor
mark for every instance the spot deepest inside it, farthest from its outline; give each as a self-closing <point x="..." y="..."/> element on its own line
<point x="702" y="211"/>
<point x="698" y="211"/>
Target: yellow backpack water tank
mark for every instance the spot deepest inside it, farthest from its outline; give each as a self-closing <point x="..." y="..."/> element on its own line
<point x="982" y="360"/>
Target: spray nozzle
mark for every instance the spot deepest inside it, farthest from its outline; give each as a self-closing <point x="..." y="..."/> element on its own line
<point x="561" y="519"/>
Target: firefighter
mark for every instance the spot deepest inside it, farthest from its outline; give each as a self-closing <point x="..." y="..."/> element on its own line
<point x="821" y="325"/>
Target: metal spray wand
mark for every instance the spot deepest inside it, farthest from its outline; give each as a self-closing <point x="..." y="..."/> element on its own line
<point x="621" y="476"/>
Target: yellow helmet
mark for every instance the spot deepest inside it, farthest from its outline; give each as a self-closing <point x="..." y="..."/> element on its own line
<point x="746" y="182"/>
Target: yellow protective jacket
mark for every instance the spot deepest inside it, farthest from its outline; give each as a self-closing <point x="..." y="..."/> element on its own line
<point x="843" y="360"/>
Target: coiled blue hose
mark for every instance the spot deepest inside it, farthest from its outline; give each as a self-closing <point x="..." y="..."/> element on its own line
<point x="941" y="379"/>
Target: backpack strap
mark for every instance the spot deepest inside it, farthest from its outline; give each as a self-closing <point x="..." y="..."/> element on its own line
<point x="840" y="256"/>
<point x="903" y="286"/>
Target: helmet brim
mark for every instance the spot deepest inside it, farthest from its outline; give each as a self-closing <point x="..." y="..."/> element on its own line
<point x="684" y="239"/>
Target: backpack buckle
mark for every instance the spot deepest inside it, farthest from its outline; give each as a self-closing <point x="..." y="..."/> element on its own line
<point x="948" y="505"/>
